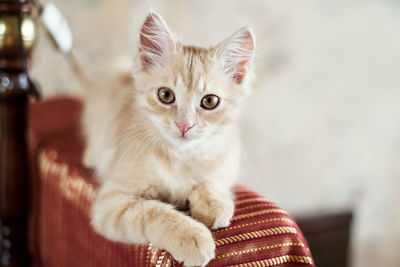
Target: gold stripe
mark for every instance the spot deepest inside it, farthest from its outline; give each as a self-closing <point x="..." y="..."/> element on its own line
<point x="255" y="213"/>
<point x="148" y="254"/>
<point x="168" y="263"/>
<point x="256" y="234"/>
<point x="276" y="261"/>
<point x="254" y="199"/>
<point x="73" y="188"/>
<point x="160" y="258"/>
<point x="252" y="250"/>
<point x="153" y="252"/>
<point x="277" y="219"/>
<point x="256" y="206"/>
<point x="242" y="192"/>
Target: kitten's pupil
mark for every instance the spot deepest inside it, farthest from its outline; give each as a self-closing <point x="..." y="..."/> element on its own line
<point x="166" y="95"/>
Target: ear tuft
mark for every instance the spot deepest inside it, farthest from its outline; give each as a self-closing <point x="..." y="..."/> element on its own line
<point x="236" y="54"/>
<point x="156" y="41"/>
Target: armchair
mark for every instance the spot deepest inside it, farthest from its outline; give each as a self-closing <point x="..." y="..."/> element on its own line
<point x="260" y="234"/>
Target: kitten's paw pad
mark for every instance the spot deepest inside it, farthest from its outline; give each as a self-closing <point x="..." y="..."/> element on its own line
<point x="195" y="247"/>
<point x="213" y="213"/>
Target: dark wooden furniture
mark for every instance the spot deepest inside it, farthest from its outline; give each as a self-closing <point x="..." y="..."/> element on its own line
<point x="15" y="87"/>
<point x="328" y="236"/>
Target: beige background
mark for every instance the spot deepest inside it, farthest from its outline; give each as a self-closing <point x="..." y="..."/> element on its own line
<point x="322" y="128"/>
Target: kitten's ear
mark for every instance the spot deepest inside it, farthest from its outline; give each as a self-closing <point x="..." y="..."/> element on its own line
<point x="156" y="41"/>
<point x="236" y="53"/>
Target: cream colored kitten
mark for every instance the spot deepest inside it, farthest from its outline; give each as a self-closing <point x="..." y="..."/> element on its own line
<point x="169" y="142"/>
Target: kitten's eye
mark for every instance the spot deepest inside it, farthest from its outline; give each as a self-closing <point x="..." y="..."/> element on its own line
<point x="209" y="102"/>
<point x="166" y="95"/>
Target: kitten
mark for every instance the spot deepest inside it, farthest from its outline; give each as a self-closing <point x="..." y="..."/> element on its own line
<point x="169" y="142"/>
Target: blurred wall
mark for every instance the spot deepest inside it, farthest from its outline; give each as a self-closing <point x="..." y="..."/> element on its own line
<point x="322" y="128"/>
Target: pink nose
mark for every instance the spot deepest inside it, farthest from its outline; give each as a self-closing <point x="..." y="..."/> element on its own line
<point x="184" y="127"/>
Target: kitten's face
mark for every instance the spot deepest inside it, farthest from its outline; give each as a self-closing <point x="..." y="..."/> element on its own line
<point x="189" y="93"/>
<point x="189" y="98"/>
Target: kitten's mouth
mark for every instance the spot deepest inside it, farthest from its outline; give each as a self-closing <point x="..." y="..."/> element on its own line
<point x="184" y="138"/>
<point x="181" y="139"/>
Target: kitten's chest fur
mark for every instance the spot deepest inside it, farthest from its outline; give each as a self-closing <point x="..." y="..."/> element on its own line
<point x="178" y="172"/>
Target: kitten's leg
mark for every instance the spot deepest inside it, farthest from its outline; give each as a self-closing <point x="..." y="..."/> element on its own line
<point x="120" y="216"/>
<point x="211" y="205"/>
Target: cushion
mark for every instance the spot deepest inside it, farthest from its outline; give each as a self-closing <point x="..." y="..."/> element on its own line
<point x="260" y="234"/>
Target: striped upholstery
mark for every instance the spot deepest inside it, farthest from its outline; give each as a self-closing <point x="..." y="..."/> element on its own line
<point x="261" y="234"/>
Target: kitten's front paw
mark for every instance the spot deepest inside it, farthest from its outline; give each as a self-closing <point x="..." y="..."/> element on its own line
<point x="194" y="246"/>
<point x="213" y="212"/>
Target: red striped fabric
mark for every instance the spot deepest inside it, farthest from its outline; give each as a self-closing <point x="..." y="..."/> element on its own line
<point x="260" y="234"/>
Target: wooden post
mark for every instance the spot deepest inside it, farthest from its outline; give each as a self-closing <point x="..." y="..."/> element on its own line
<point x="14" y="173"/>
<point x="14" y="176"/>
